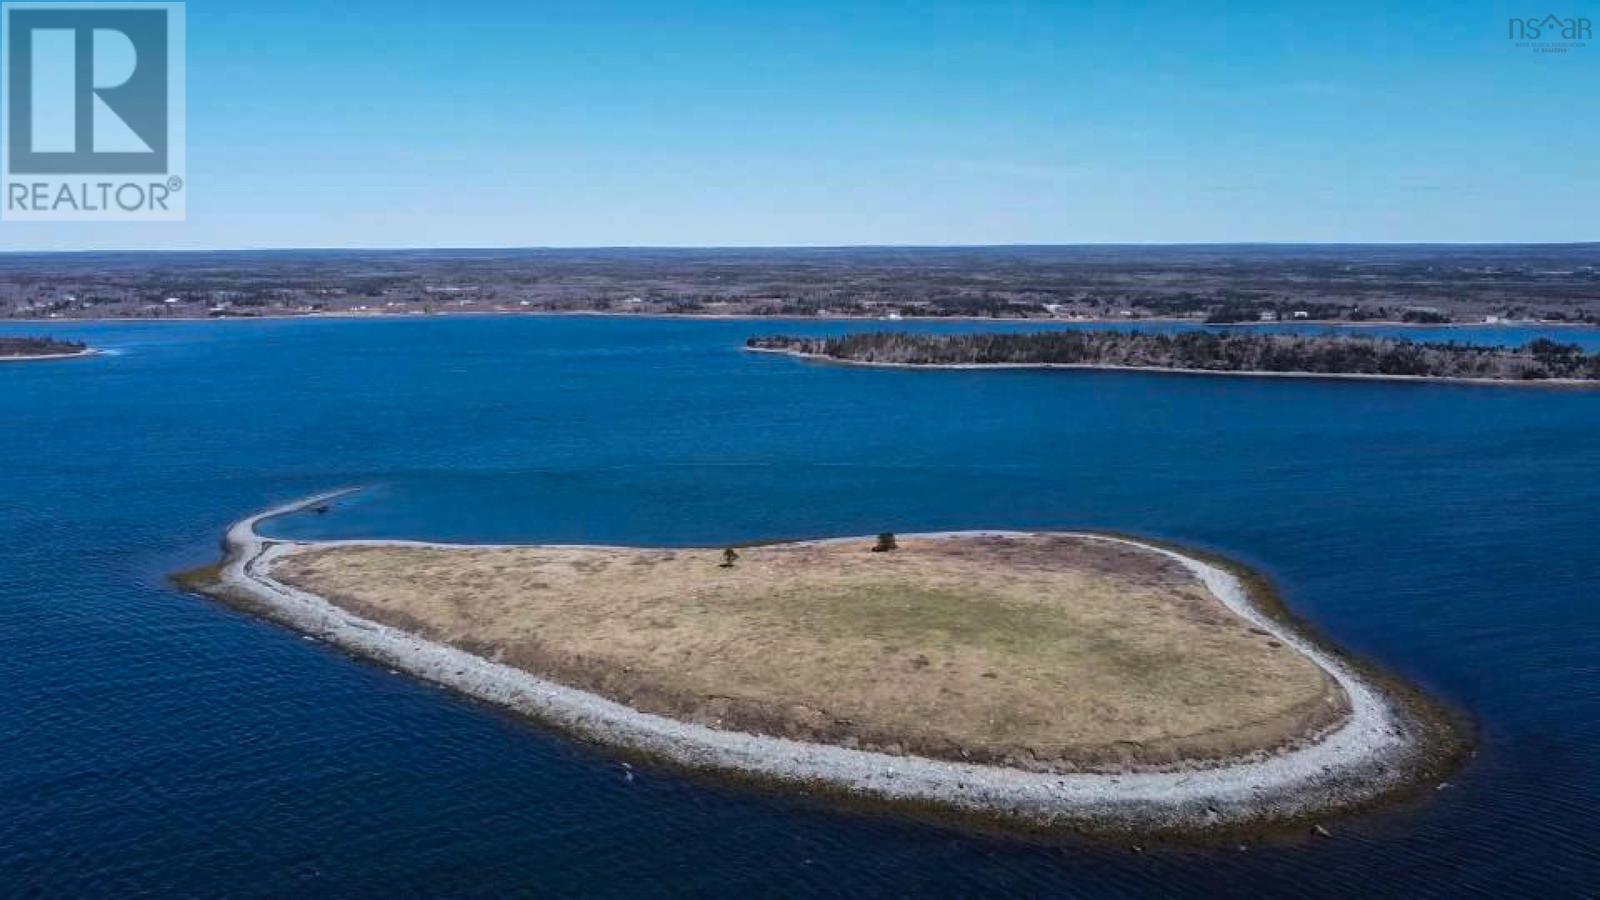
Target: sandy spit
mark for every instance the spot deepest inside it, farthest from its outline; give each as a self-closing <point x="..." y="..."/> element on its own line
<point x="1376" y="750"/>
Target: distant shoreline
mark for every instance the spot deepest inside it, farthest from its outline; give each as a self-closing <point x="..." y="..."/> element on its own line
<point x="1163" y="370"/>
<point x="776" y="317"/>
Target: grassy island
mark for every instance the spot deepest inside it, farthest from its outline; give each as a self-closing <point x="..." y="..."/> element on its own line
<point x="39" y="348"/>
<point x="1204" y="351"/>
<point x="1044" y="652"/>
<point x="1089" y="682"/>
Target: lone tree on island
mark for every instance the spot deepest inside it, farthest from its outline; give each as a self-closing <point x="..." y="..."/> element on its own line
<point x="885" y="543"/>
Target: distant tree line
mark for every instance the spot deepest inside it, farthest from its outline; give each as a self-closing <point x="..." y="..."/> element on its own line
<point x="1207" y="351"/>
<point x="31" y="346"/>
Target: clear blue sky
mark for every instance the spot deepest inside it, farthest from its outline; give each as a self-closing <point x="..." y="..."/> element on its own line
<point x="527" y="123"/>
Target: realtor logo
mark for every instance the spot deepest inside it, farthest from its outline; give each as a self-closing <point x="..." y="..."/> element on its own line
<point x="94" y="106"/>
<point x="1551" y="33"/>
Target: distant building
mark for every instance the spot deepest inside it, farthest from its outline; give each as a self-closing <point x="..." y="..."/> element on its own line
<point x="1301" y="314"/>
<point x="1268" y="316"/>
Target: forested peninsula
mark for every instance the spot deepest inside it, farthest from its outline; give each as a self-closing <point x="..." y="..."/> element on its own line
<point x="1542" y="360"/>
<point x="39" y="348"/>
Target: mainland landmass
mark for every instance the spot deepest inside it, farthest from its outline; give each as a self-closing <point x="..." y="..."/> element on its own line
<point x="1542" y="360"/>
<point x="1086" y="681"/>
<point x="1419" y="283"/>
<point x="21" y="348"/>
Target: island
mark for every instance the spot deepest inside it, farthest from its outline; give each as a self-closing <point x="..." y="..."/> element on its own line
<point x="1079" y="681"/>
<point x="23" y="349"/>
<point x="1204" y="352"/>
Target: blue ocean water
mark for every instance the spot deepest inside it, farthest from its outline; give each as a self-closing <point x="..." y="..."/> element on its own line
<point x="151" y="742"/>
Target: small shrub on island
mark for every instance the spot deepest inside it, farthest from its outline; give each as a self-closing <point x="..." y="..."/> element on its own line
<point x="729" y="557"/>
<point x="885" y="543"/>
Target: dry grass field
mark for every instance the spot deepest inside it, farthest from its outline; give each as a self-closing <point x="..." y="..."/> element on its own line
<point x="1046" y="652"/>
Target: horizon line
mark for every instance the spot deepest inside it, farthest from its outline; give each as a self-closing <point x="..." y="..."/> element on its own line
<point x="426" y="248"/>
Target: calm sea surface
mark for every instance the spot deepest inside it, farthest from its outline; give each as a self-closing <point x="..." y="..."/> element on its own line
<point x="153" y="742"/>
